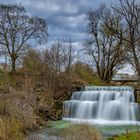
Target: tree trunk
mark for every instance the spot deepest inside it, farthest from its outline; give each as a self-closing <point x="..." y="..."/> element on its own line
<point x="138" y="69"/>
<point x="136" y="61"/>
<point x="13" y="65"/>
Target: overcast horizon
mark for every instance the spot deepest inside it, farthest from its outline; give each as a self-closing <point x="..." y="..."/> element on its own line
<point x="66" y="19"/>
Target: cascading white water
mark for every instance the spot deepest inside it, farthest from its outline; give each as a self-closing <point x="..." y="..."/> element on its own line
<point x="99" y="104"/>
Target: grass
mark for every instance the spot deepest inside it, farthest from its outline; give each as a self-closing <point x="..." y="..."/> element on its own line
<point x="80" y="132"/>
<point x="129" y="136"/>
<point x="17" y="117"/>
<point x="10" y="129"/>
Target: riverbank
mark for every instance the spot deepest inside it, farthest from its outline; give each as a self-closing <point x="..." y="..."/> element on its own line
<point x="68" y="131"/>
<point x="33" y="95"/>
<point x="26" y="104"/>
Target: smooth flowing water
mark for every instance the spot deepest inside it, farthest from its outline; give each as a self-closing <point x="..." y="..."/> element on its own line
<point x="103" y="105"/>
<point x="112" y="110"/>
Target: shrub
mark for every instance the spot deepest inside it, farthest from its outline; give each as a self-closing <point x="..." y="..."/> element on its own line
<point x="129" y="136"/>
<point x="80" y="132"/>
<point x="17" y="116"/>
<point x="10" y="129"/>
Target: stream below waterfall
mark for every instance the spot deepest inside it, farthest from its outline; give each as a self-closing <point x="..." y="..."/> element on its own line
<point x="54" y="127"/>
<point x="111" y="109"/>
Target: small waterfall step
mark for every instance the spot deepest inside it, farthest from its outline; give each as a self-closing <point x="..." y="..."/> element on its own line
<point x="102" y="104"/>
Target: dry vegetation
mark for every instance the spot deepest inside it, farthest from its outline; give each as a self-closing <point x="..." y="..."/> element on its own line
<point x="33" y="93"/>
<point x="80" y="132"/>
<point x="127" y="136"/>
<point x="31" y="96"/>
<point x="72" y="132"/>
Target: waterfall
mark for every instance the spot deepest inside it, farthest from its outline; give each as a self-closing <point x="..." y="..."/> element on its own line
<point x="102" y="104"/>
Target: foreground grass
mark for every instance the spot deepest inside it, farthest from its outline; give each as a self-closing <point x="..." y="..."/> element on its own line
<point x="63" y="130"/>
<point x="17" y="115"/>
<point x="80" y="132"/>
<point x="128" y="136"/>
<point x="10" y="129"/>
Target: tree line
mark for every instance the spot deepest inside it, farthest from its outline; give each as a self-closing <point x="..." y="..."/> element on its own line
<point x="114" y="39"/>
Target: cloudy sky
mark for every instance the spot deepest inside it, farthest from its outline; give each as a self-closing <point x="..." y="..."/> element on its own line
<point x="66" y="18"/>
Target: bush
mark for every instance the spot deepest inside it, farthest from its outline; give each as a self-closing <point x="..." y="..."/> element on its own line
<point x="129" y="136"/>
<point x="17" y="116"/>
<point x="80" y="132"/>
<point x="10" y="129"/>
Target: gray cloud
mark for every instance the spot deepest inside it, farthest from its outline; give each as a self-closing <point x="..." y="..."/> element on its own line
<point x="65" y="18"/>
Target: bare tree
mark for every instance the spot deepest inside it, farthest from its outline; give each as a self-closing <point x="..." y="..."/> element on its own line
<point x="105" y="48"/>
<point x="18" y="29"/>
<point x="70" y="56"/>
<point x="129" y="10"/>
<point x="56" y="56"/>
<point x="60" y="56"/>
